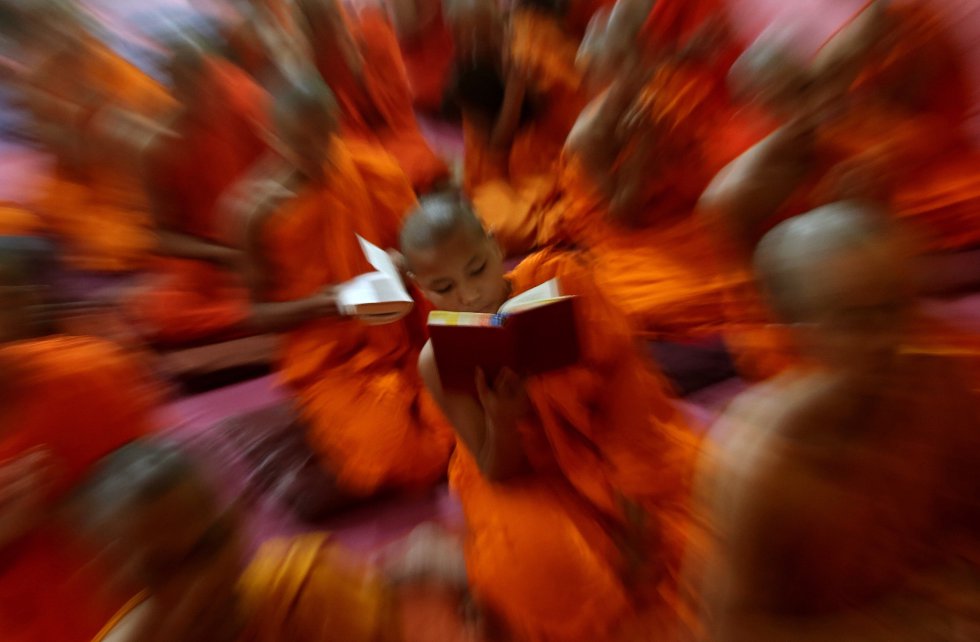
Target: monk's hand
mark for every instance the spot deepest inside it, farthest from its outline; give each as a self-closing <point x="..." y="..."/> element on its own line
<point x="24" y="485"/>
<point x="506" y="402"/>
<point x="325" y="302"/>
<point x="398" y="259"/>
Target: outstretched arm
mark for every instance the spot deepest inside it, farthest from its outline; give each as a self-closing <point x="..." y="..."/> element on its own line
<point x="750" y="191"/>
<point x="268" y="315"/>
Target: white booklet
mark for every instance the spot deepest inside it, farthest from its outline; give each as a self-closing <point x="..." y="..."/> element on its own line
<point x="375" y="297"/>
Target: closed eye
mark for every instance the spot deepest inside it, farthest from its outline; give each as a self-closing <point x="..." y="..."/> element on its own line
<point x="443" y="289"/>
<point x="478" y="271"/>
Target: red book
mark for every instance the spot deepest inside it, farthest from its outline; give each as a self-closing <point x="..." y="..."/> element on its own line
<point x="533" y="333"/>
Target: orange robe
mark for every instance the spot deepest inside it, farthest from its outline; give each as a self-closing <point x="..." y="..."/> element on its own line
<point x="539" y="45"/>
<point x="18" y="221"/>
<point x="540" y="550"/>
<point x="98" y="209"/>
<point x="307" y="589"/>
<point x="921" y="145"/>
<point x="428" y="57"/>
<point x="192" y="300"/>
<point x="378" y="106"/>
<point x="358" y="387"/>
<point x="102" y="218"/>
<point x="79" y="398"/>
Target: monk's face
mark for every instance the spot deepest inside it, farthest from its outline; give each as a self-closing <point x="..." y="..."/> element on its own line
<point x="189" y="555"/>
<point x="861" y="300"/>
<point x="308" y="139"/>
<point x="464" y="273"/>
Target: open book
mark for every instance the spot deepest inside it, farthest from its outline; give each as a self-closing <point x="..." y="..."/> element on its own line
<point x="375" y="297"/>
<point x="532" y="333"/>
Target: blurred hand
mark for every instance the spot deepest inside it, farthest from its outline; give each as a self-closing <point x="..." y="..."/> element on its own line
<point x="24" y="485"/>
<point x="326" y="302"/>
<point x="506" y="402"/>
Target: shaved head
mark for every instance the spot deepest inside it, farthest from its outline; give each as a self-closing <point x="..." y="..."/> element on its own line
<point x="304" y="95"/>
<point x="458" y="266"/>
<point x="134" y="475"/>
<point x="790" y="259"/>
<point x="437" y="218"/>
<point x="305" y="117"/>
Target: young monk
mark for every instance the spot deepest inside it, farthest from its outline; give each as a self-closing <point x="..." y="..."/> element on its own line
<point x="573" y="483"/>
<point x="197" y="292"/>
<point x="93" y="111"/>
<point x="64" y="403"/>
<point x="369" y="417"/>
<point x="357" y="54"/>
<point x="842" y="499"/>
<point x="150" y="502"/>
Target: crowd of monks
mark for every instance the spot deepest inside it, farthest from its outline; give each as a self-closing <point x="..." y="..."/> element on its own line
<point x="682" y="184"/>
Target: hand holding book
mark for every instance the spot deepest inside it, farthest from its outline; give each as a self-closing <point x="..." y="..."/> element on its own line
<point x="506" y="402"/>
<point x="375" y="297"/>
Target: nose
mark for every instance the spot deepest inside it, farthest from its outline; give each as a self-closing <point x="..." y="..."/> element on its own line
<point x="469" y="296"/>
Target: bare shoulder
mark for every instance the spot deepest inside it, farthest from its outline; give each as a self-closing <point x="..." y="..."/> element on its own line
<point x="761" y="474"/>
<point x="428" y="369"/>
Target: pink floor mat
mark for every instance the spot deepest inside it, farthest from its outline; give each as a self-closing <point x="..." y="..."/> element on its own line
<point x="189" y="422"/>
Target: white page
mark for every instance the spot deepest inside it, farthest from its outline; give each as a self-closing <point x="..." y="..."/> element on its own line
<point x="375" y="297"/>
<point x="383" y="263"/>
<point x="544" y="292"/>
<point x="373" y="287"/>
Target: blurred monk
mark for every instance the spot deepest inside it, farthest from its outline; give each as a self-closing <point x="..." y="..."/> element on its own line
<point x="152" y="505"/>
<point x="574" y="484"/>
<point x="798" y="164"/>
<point x="197" y="292"/>
<point x="357" y="54"/>
<point x="632" y="170"/>
<point x="93" y="111"/>
<point x="911" y="104"/>
<point x="427" y="49"/>
<point x="517" y="88"/>
<point x="64" y="403"/>
<point x="370" y="419"/>
<point x="841" y="503"/>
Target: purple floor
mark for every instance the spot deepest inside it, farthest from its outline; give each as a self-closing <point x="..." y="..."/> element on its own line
<point x="189" y="422"/>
